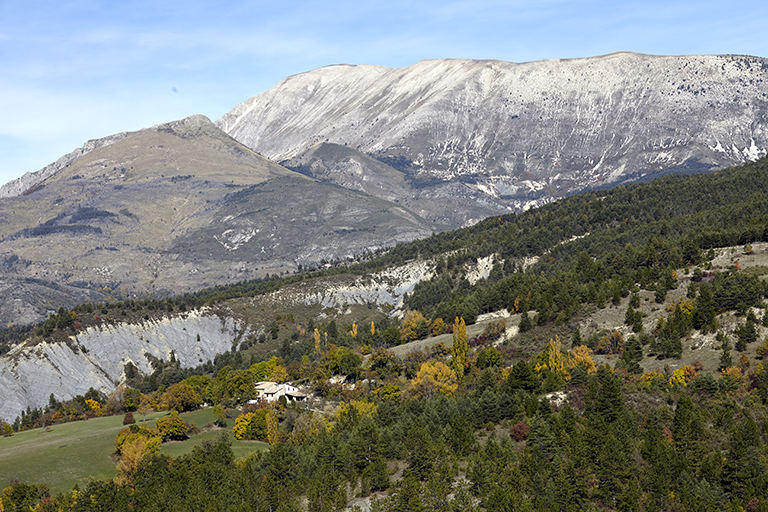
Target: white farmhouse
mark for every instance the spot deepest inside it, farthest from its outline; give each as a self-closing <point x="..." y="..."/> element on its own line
<point x="271" y="391"/>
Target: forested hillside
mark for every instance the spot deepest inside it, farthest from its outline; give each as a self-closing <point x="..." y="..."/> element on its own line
<point x="496" y="390"/>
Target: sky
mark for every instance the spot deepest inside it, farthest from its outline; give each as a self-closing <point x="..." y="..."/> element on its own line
<point x="76" y="70"/>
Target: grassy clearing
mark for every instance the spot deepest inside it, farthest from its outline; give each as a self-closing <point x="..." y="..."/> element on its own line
<point x="72" y="453"/>
<point x="66" y="455"/>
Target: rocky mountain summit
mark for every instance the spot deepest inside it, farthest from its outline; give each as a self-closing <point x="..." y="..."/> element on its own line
<point x="520" y="134"/>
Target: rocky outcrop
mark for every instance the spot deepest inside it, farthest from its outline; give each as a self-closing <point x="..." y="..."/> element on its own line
<point x="385" y="289"/>
<point x="97" y="357"/>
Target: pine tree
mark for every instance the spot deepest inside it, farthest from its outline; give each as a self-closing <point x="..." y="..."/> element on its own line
<point x="525" y="322"/>
<point x="576" y="339"/>
<point x="726" y="360"/>
<point x="631" y="356"/>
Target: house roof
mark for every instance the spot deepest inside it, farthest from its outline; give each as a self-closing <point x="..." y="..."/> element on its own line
<point x="273" y="388"/>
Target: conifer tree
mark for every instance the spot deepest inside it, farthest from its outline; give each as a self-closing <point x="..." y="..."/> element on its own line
<point x="576" y="339"/>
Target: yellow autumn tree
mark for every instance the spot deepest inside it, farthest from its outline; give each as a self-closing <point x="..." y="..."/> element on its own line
<point x="413" y="324"/>
<point x="318" y="349"/>
<point x="279" y="374"/>
<point x="132" y="450"/>
<point x="347" y="413"/>
<point x="653" y="380"/>
<point x="434" y="377"/>
<point x="459" y="348"/>
<point x="252" y="425"/>
<point x="130" y="458"/>
<point x="264" y="369"/>
<point x="353" y="331"/>
<point x="551" y="358"/>
<point x="677" y="378"/>
<point x="580" y="356"/>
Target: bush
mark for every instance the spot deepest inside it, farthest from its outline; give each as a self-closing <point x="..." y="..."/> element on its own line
<point x="519" y="431"/>
<point x="172" y="426"/>
<point x="494" y="330"/>
<point x="128" y="419"/>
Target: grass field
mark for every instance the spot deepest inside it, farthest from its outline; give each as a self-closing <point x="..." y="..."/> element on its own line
<point x="72" y="453"/>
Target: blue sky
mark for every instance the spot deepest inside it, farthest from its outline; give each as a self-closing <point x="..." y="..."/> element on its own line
<point x="77" y="70"/>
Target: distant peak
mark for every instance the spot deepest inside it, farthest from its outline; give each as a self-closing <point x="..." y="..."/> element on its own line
<point x="191" y="126"/>
<point x="193" y="122"/>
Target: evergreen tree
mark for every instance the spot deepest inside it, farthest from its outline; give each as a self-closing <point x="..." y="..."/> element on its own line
<point x="525" y="322"/>
<point x="576" y="339"/>
<point x="744" y="471"/>
<point x="726" y="360"/>
<point x="631" y="356"/>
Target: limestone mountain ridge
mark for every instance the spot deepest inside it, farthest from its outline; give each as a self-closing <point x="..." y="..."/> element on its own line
<point x="521" y="134"/>
<point x="371" y="156"/>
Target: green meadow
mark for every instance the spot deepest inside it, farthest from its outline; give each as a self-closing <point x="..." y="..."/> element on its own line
<point x="72" y="453"/>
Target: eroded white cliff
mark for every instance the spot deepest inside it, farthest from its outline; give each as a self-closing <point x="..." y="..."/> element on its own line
<point x="97" y="358"/>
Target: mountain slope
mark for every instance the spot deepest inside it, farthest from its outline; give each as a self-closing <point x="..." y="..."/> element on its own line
<point x="159" y="211"/>
<point x="523" y="133"/>
<point x="447" y="203"/>
<point x="577" y="262"/>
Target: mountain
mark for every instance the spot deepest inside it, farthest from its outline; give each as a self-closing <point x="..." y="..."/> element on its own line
<point x="517" y="135"/>
<point x="175" y="208"/>
<point x="371" y="157"/>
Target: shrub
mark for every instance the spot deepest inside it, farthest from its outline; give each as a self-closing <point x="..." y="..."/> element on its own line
<point x="128" y="419"/>
<point x="519" y="431"/>
<point x="494" y="330"/>
<point x="172" y="426"/>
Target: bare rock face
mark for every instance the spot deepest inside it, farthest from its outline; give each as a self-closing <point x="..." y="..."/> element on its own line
<point x="523" y="133"/>
<point x="96" y="358"/>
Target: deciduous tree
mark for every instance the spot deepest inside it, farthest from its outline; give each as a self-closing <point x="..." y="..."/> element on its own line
<point x="435" y="377"/>
<point x="459" y="348"/>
